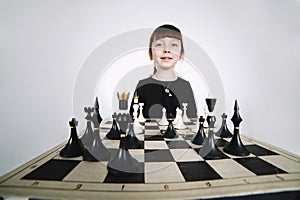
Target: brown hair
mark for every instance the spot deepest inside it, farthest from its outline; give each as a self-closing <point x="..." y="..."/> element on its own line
<point x="162" y="31"/>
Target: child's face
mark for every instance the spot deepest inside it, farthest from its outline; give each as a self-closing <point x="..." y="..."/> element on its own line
<point x="166" y="52"/>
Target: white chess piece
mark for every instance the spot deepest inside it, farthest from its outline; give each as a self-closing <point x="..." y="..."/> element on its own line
<point x="141" y="117"/>
<point x="180" y="125"/>
<point x="185" y="117"/>
<point x="196" y="126"/>
<point x="176" y="117"/>
<point x="205" y="124"/>
<point x="163" y="121"/>
<point x="136" y="125"/>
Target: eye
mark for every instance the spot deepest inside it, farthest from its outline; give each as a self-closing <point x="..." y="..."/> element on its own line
<point x="174" y="45"/>
<point x="158" y="45"/>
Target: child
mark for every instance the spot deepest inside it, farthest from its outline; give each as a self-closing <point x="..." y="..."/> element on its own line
<point x="164" y="88"/>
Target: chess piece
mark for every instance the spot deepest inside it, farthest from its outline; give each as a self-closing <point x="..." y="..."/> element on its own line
<point x="123" y="100"/>
<point x="123" y="119"/>
<point x="236" y="146"/>
<point x="177" y="116"/>
<point x="195" y="128"/>
<point x="88" y="136"/>
<point x="184" y="116"/>
<point x="200" y="136"/>
<point x="141" y="116"/>
<point x="136" y="124"/>
<point x="223" y="132"/>
<point x="205" y="109"/>
<point x="209" y="150"/>
<point x="132" y="141"/>
<point x="180" y="125"/>
<point x="97" y="151"/>
<point x="114" y="132"/>
<point x="74" y="147"/>
<point x="170" y="132"/>
<point x="99" y="118"/>
<point x="163" y="121"/>
<point x="123" y="163"/>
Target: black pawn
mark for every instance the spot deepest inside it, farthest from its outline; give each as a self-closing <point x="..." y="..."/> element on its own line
<point x="123" y="163"/>
<point x="96" y="105"/>
<point x="132" y="141"/>
<point x="114" y="132"/>
<point x="74" y="146"/>
<point x="170" y="132"/>
<point x="209" y="150"/>
<point x="199" y="138"/>
<point x="223" y="132"/>
<point x="88" y="136"/>
<point x="236" y="146"/>
<point x="97" y="151"/>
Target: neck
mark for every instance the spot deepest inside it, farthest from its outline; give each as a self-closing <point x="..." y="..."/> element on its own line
<point x="165" y="75"/>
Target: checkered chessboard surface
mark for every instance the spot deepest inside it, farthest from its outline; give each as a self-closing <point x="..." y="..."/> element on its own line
<point x="169" y="168"/>
<point x="168" y="161"/>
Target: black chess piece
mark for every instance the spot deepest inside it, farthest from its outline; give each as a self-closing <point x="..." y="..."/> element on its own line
<point x="99" y="118"/>
<point x="236" y="146"/>
<point x="132" y="141"/>
<point x="114" y="132"/>
<point x="210" y="102"/>
<point x="223" y="132"/>
<point x="123" y="120"/>
<point x="123" y="163"/>
<point x="88" y="136"/>
<point x="200" y="136"/>
<point x="209" y="150"/>
<point x="170" y="132"/>
<point x="97" y="151"/>
<point x="74" y="147"/>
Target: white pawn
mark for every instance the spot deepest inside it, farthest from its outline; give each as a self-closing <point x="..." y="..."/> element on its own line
<point x="176" y="117"/>
<point x="196" y="126"/>
<point x="205" y="116"/>
<point x="180" y="125"/>
<point x="163" y="121"/>
<point x="185" y="117"/>
<point x="136" y="125"/>
<point x="141" y="117"/>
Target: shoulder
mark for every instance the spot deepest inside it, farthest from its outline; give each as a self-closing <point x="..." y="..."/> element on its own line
<point x="182" y="81"/>
<point x="146" y="81"/>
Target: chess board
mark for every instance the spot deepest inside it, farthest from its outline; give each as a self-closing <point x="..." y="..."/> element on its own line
<point x="170" y="168"/>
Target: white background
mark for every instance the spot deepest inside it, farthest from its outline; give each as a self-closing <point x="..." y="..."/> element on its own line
<point x="254" y="45"/>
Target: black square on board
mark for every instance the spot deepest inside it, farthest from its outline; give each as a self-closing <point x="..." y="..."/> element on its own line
<point x="259" y="166"/>
<point x="130" y="178"/>
<point x="178" y="144"/>
<point x="259" y="151"/>
<point x="153" y="137"/>
<point x="197" y="171"/>
<point x="53" y="170"/>
<point x="159" y="155"/>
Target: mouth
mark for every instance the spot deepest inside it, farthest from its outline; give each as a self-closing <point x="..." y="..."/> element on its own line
<point x="166" y="58"/>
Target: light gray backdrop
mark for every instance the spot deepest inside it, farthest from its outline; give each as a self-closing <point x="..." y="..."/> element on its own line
<point x="254" y="45"/>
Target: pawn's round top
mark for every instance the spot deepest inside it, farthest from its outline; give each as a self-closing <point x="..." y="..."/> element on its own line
<point x="73" y="122"/>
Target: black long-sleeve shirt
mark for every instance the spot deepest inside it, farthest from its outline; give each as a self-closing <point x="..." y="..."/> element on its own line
<point x="153" y="94"/>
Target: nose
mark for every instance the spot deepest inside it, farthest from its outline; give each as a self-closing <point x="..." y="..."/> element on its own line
<point x="166" y="51"/>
